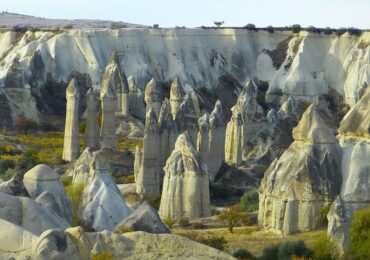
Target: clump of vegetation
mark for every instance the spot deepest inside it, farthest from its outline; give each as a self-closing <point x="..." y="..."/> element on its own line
<point x="154" y="201"/>
<point x="324" y="213"/>
<point x="223" y="192"/>
<point x="296" y="28"/>
<point x="231" y="217"/>
<point x="129" y="144"/>
<point x="250" y="27"/>
<point x="122" y="230"/>
<point x="341" y="31"/>
<point x="359" y="244"/>
<point x="82" y="127"/>
<point x="243" y="254"/>
<point x="183" y="222"/>
<point x="218" y="242"/>
<point x="102" y="256"/>
<point x="249" y="201"/>
<point x="270" y="29"/>
<point x="24" y="125"/>
<point x="287" y="250"/>
<point x="325" y="249"/>
<point x="74" y="192"/>
<point x="68" y="26"/>
<point x="169" y="222"/>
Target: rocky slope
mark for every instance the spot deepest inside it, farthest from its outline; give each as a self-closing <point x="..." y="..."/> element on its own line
<point x="303" y="64"/>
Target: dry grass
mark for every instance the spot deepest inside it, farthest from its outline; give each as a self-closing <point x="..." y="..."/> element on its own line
<point x="251" y="238"/>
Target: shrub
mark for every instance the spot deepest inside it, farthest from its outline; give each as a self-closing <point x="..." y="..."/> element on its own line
<point x="74" y="192"/>
<point x="82" y="127"/>
<point x="66" y="180"/>
<point x="360" y="235"/>
<point x="122" y="230"/>
<point x="296" y="28"/>
<point x="354" y="31"/>
<point x="231" y="217"/>
<point x="325" y="249"/>
<point x="25" y="125"/>
<point x="250" y="27"/>
<point x="341" y="31"/>
<point x="249" y="201"/>
<point x="102" y="256"/>
<point x="328" y="30"/>
<point x="183" y="222"/>
<point x="324" y="213"/>
<point x="218" y="242"/>
<point x="68" y="26"/>
<point x="154" y="201"/>
<point x="286" y="250"/>
<point x="270" y="29"/>
<point x="243" y="254"/>
<point x="169" y="222"/>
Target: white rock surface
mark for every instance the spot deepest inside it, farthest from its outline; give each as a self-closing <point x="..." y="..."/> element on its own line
<point x="306" y="177"/>
<point x="186" y="183"/>
<point x="198" y="57"/>
<point x="102" y="206"/>
<point x="42" y="179"/>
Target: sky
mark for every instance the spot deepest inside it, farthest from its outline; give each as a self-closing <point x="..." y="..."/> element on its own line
<point x="195" y="13"/>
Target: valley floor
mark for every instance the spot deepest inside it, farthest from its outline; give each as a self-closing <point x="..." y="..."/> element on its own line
<point x="251" y="238"/>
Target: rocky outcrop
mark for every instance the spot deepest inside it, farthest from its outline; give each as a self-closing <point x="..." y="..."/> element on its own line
<point x="108" y="99"/>
<point x="43" y="185"/>
<point x="176" y="96"/>
<point x="153" y="97"/>
<point x="187" y="117"/>
<point x="306" y="177"/>
<point x="148" y="180"/>
<point x="15" y="77"/>
<point x="234" y="138"/>
<point x="29" y="215"/>
<point x="102" y="206"/>
<point x="74" y="243"/>
<point x="136" y="99"/>
<point x="203" y="140"/>
<point x="186" y="183"/>
<point x="92" y="127"/>
<point x="354" y="136"/>
<point x="144" y="218"/>
<point x="71" y="148"/>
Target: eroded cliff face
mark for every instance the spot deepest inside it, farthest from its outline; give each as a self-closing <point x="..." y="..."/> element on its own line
<point x="303" y="65"/>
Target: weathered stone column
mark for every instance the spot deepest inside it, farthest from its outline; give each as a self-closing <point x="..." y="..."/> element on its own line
<point x="216" y="140"/>
<point x="176" y="96"/>
<point x="71" y="148"/>
<point x="153" y="97"/>
<point x="137" y="162"/>
<point x="234" y="140"/>
<point x="203" y="139"/>
<point x="108" y="105"/>
<point x="92" y="127"/>
<point x="149" y="176"/>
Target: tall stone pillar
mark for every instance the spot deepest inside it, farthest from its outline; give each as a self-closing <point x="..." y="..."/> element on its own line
<point x="108" y="106"/>
<point x="149" y="176"/>
<point x="153" y="97"/>
<point x="92" y="127"/>
<point x="137" y="162"/>
<point x="203" y="139"/>
<point x="176" y="97"/>
<point x="71" y="148"/>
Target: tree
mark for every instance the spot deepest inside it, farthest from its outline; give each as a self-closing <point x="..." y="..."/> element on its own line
<point x="231" y="217"/>
<point x="218" y="23"/>
<point x="296" y="28"/>
<point x="249" y="201"/>
<point x="270" y="29"/>
<point x="250" y="27"/>
<point x="24" y="124"/>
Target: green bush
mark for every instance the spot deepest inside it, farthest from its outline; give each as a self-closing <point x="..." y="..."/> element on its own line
<point x="169" y="222"/>
<point x="249" y="201"/>
<point x="25" y="125"/>
<point x="286" y="250"/>
<point x="103" y="256"/>
<point x="325" y="249"/>
<point x="82" y="127"/>
<point x="231" y="217"/>
<point x="154" y="201"/>
<point x="324" y="213"/>
<point x="243" y="254"/>
<point x="218" y="242"/>
<point x="359" y="246"/>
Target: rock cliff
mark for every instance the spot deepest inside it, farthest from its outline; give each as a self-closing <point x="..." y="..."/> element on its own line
<point x="302" y="65"/>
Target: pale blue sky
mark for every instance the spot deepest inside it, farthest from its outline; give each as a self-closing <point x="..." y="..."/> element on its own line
<point x="192" y="13"/>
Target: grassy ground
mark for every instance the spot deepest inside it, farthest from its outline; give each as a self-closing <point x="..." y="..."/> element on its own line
<point x="251" y="238"/>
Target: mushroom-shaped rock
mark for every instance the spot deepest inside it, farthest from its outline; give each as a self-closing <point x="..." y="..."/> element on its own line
<point x="41" y="179"/>
<point x="311" y="128"/>
<point x="144" y="218"/>
<point x="186" y="183"/>
<point x="305" y="178"/>
<point x="102" y="206"/>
